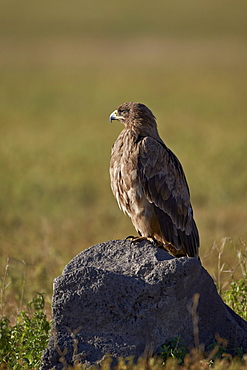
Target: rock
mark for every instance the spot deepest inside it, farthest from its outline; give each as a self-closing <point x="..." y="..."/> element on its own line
<point x="126" y="300"/>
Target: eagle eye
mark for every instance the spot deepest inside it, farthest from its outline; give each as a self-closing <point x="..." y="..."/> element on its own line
<point x="124" y="112"/>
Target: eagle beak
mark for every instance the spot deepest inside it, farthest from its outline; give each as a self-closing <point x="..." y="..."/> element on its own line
<point x="115" y="116"/>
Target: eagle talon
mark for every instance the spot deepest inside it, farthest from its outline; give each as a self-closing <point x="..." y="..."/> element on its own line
<point x="130" y="237"/>
<point x="138" y="239"/>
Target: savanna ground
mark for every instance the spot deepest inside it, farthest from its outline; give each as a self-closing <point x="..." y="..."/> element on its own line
<point x="65" y="66"/>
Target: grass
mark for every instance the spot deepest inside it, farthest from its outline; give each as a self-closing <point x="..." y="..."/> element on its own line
<point x="64" y="69"/>
<point x="22" y="344"/>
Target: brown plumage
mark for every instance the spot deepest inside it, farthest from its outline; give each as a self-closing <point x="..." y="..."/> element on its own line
<point x="149" y="184"/>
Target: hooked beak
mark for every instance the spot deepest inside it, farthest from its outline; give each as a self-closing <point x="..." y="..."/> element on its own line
<point x="115" y="116"/>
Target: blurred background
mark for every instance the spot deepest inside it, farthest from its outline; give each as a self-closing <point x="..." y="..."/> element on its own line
<point x="64" y="67"/>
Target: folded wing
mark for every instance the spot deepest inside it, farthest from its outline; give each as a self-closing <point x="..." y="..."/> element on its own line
<point x="164" y="184"/>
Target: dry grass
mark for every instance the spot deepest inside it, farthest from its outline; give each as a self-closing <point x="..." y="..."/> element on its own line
<point x="64" y="68"/>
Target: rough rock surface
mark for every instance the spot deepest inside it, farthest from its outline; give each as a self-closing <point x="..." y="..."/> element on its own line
<point x="126" y="299"/>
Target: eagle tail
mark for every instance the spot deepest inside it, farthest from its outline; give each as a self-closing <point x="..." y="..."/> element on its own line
<point x="188" y="244"/>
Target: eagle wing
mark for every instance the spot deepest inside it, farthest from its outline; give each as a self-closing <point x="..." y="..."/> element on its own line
<point x="164" y="184"/>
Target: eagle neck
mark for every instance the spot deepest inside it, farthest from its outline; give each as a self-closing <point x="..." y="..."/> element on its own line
<point x="143" y="128"/>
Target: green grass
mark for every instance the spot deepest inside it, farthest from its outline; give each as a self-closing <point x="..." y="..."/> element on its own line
<point x="22" y="344"/>
<point x="64" y="68"/>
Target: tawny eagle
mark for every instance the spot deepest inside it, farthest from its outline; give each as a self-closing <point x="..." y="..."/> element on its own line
<point x="149" y="183"/>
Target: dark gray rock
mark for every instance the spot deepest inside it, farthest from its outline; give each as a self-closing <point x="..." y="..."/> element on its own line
<point x="126" y="299"/>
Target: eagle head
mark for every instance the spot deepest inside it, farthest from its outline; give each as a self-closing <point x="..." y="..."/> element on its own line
<point x="131" y="113"/>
